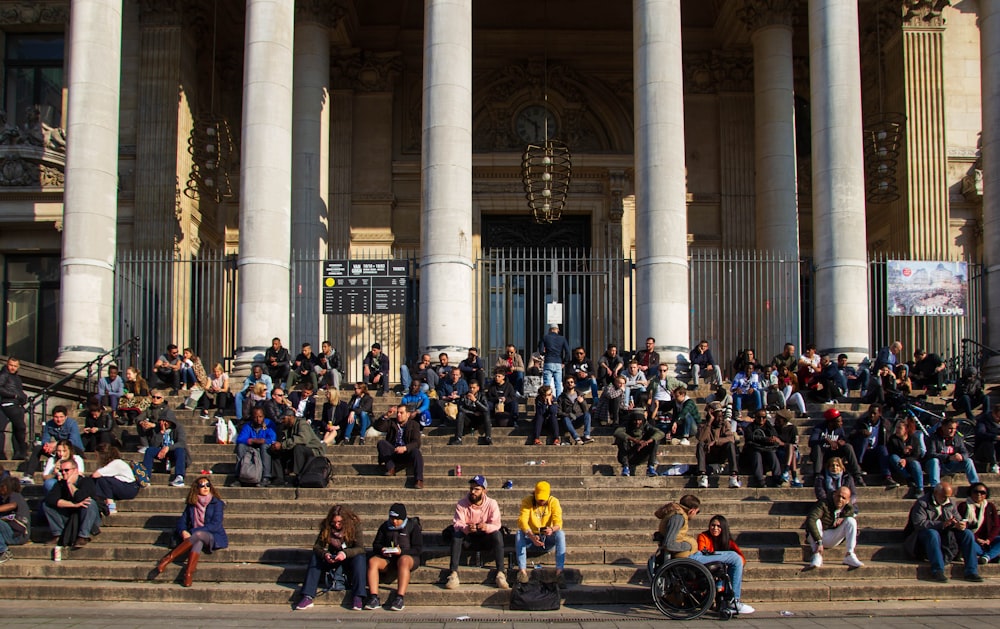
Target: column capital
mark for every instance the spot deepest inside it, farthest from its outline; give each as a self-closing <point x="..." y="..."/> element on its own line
<point x="37" y="13"/>
<point x="924" y="13"/>
<point x="322" y="12"/>
<point x="367" y="71"/>
<point x="757" y="14"/>
<point x="717" y="71"/>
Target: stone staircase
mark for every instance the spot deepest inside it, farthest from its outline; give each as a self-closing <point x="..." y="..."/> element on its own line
<point x="608" y="522"/>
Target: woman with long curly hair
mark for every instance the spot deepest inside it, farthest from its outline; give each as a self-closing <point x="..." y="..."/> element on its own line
<point x="198" y="529"/>
<point x="339" y="547"/>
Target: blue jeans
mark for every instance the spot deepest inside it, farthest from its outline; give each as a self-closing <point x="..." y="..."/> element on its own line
<point x="365" y="423"/>
<point x="914" y="471"/>
<point x="356" y="568"/>
<point x="732" y="560"/>
<point x="58" y="517"/>
<point x="7" y="537"/>
<point x="187" y="376"/>
<point x="557" y="539"/>
<point x="993" y="551"/>
<point x="406" y="380"/>
<point x="930" y="541"/>
<point x="862" y="447"/>
<point x="517" y="379"/>
<point x="588" y="382"/>
<point x="935" y="469"/>
<point x="552" y="375"/>
<point x="753" y="398"/>
<point x="968" y="403"/>
<point x="568" y="422"/>
<point x="178" y="455"/>
<point x="715" y="375"/>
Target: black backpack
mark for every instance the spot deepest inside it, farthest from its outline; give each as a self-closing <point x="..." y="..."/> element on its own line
<point x="316" y="473"/>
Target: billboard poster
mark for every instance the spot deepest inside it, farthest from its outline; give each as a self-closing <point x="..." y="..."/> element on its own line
<point x="926" y="289"/>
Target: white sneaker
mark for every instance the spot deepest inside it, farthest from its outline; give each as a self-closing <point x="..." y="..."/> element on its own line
<point x="501" y="581"/>
<point x="743" y="608"/>
<point x="703" y="482"/>
<point x="178" y="481"/>
<point x="27" y="480"/>
<point x="685" y="441"/>
<point x="850" y="559"/>
<point x="734" y="482"/>
<point x="817" y="561"/>
<point x="452" y="583"/>
<point x="995" y="469"/>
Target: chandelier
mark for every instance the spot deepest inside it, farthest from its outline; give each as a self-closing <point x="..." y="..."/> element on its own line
<point x="210" y="145"/>
<point x="883" y="137"/>
<point x="546" y="172"/>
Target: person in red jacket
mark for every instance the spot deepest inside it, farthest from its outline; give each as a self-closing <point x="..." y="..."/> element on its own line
<point x="981" y="517"/>
<point x="718" y="538"/>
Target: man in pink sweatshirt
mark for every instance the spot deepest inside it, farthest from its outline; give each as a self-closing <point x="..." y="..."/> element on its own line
<point x="477" y="525"/>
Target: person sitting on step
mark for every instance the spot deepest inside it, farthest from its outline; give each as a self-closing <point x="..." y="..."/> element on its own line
<point x="474" y="413"/>
<point x="988" y="439"/>
<point x="546" y="412"/>
<point x="715" y="442"/>
<point x="295" y="445"/>
<point x="870" y="441"/>
<point x="831" y="522"/>
<point x="401" y="446"/>
<point x="71" y="507"/>
<point x="476" y="524"/>
<point x="540" y="526"/>
<point x="339" y="547"/>
<point x="257" y="434"/>
<point x="199" y="529"/>
<point x="935" y="532"/>
<point x="637" y="441"/>
<point x="982" y="519"/>
<point x="947" y="454"/>
<point x="359" y="414"/>
<point x="397" y="547"/>
<point x="573" y="409"/>
<point x="166" y="441"/>
<point x="828" y="439"/>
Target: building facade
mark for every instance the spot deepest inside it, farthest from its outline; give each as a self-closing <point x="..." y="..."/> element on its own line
<point x="270" y="129"/>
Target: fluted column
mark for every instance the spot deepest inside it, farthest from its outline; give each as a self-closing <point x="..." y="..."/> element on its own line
<point x="662" y="309"/>
<point x="265" y="178"/>
<point x="770" y="26"/>
<point x="989" y="42"/>
<point x="446" y="178"/>
<point x="838" y="179"/>
<point x="310" y="166"/>
<point x="90" y="200"/>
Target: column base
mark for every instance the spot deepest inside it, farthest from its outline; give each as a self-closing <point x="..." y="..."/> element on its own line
<point x="677" y="360"/>
<point x="244" y="360"/>
<point x="72" y="358"/>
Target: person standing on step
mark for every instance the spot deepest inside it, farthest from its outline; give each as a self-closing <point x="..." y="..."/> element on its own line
<point x="555" y="351"/>
<point x="935" y="532"/>
<point x="398" y="544"/>
<point x="476" y="523"/>
<point x="12" y="401"/>
<point x="637" y="441"/>
<point x="540" y="525"/>
<point x="199" y="529"/>
<point x="831" y="522"/>
<point x="339" y="547"/>
<point x="401" y="446"/>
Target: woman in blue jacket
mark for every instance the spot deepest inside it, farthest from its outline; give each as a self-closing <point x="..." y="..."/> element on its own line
<point x="199" y="528"/>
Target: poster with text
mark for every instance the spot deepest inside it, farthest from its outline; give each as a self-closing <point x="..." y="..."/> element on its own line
<point x="927" y="289"/>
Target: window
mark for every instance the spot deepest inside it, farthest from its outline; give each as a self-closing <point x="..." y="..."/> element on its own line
<point x="34" y="72"/>
<point x="31" y="297"/>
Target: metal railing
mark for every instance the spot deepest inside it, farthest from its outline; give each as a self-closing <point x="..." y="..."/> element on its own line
<point x="94" y="369"/>
<point x="974" y="354"/>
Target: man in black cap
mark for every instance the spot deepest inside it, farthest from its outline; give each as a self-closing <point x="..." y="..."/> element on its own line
<point x="376" y="369"/>
<point x="398" y="544"/>
<point x="476" y="525"/>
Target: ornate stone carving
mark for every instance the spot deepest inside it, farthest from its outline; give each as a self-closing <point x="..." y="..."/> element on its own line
<point x="717" y="71"/>
<point x="35" y="13"/>
<point x="31" y="166"/>
<point x="34" y="132"/>
<point x="759" y="13"/>
<point x="616" y="182"/>
<point x="324" y="12"/>
<point x="367" y="71"/>
<point x="923" y="13"/>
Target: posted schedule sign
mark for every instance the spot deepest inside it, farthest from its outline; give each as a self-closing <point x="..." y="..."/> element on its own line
<point x="365" y="286"/>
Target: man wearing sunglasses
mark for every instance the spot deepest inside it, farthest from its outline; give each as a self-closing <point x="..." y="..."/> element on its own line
<point x="71" y="507"/>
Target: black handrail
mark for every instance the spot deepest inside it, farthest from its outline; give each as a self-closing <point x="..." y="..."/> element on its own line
<point x="44" y="394"/>
<point x="975" y="353"/>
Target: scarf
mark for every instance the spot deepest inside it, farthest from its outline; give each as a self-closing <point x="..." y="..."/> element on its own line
<point x="199" y="510"/>
<point x="336" y="539"/>
<point x="833" y="481"/>
<point x="397" y="528"/>
<point x="975" y="514"/>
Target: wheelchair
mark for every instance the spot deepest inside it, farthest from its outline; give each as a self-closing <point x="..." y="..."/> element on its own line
<point x="685" y="589"/>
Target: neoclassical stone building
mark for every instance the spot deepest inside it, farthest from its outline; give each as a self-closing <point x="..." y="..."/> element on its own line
<point x="263" y="127"/>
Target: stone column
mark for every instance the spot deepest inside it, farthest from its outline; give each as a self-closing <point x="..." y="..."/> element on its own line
<point x="310" y="168"/>
<point x="446" y="179"/>
<point x="838" y="179"/>
<point x="926" y="153"/>
<point x="90" y="200"/>
<point x="989" y="42"/>
<point x="265" y="179"/>
<point x="662" y="309"/>
<point x="770" y="26"/>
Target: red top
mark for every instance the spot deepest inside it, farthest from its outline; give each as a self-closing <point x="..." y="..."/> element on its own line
<point x="707" y="544"/>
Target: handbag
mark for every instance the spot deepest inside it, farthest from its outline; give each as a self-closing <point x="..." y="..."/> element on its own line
<point x="451" y="410"/>
<point x="535" y="596"/>
<point x="500" y="408"/>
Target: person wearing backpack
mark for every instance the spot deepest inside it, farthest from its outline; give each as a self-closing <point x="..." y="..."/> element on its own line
<point x="295" y="445"/>
<point x="254" y="441"/>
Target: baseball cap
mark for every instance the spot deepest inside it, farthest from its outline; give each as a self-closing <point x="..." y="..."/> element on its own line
<point x="542" y="491"/>
<point x="479" y="480"/>
<point x="398" y="510"/>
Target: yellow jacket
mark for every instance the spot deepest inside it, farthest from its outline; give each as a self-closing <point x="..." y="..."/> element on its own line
<point x="536" y="518"/>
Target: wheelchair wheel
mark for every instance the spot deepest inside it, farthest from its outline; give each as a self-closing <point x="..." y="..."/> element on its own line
<point x="683" y="589"/>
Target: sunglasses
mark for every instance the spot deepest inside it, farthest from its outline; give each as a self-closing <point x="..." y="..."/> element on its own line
<point x="157" y="397"/>
<point x="204" y="485"/>
<point x="979" y="492"/>
<point x="278" y="395"/>
<point x="70" y="469"/>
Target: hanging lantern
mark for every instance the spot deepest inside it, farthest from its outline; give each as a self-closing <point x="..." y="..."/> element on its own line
<point x="546" y="171"/>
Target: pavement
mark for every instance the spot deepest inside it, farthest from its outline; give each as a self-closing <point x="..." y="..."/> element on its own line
<point x="862" y="614"/>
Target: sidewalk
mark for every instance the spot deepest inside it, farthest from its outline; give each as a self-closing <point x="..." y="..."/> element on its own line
<point x="909" y="614"/>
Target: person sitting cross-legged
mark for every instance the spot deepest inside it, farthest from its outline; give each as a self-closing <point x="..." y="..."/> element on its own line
<point x="935" y="531"/>
<point x="831" y="522"/>
<point x="637" y="442"/>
